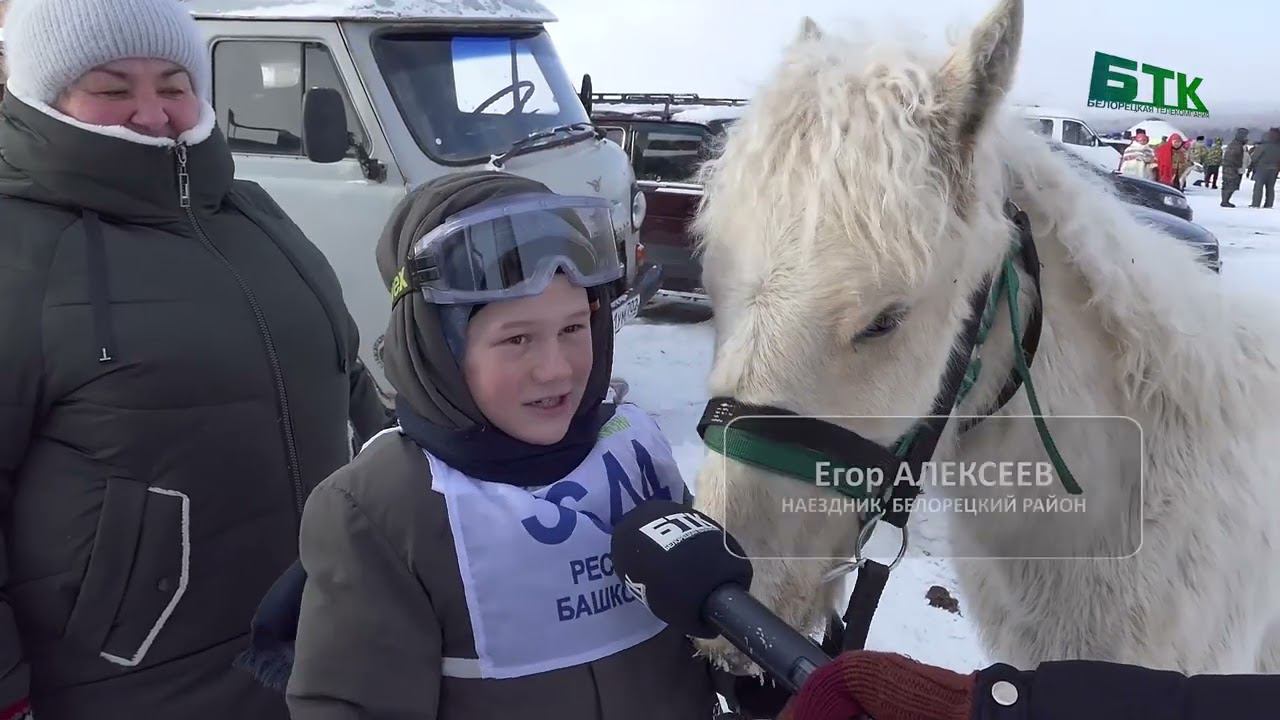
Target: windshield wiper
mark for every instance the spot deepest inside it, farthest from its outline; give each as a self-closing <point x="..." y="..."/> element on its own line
<point x="557" y="137"/>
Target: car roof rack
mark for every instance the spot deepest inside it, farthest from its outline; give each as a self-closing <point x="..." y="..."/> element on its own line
<point x="664" y="101"/>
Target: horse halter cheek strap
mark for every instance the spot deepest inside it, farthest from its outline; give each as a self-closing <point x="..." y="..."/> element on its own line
<point x="751" y="435"/>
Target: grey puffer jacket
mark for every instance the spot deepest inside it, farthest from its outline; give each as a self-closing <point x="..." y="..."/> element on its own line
<point x="173" y="382"/>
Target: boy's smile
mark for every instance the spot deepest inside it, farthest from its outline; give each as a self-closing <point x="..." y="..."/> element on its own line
<point x="527" y="361"/>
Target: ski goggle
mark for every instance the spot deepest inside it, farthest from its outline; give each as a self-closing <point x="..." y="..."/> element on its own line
<point x="512" y="247"/>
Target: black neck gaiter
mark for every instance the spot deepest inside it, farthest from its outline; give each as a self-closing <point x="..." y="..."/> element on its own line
<point x="487" y="453"/>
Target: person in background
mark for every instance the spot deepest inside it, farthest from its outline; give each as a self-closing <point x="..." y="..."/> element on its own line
<point x="1171" y="161"/>
<point x="1233" y="163"/>
<point x="1211" y="159"/>
<point x="890" y="686"/>
<point x="1139" y="159"/>
<point x="177" y="370"/>
<point x="1265" y="166"/>
<point x="1195" y="153"/>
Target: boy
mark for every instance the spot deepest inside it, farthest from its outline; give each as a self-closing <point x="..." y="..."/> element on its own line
<point x="459" y="567"/>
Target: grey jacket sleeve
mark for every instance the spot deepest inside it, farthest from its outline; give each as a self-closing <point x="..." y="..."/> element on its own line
<point x="369" y="415"/>
<point x="368" y="644"/>
<point x="20" y="371"/>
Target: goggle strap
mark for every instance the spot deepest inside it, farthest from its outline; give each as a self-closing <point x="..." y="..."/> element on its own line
<point x="401" y="285"/>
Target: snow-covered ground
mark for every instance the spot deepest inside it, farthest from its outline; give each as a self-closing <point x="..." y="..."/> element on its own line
<point x="665" y="358"/>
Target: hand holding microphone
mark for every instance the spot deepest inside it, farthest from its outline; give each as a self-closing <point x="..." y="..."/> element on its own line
<point x="694" y="576"/>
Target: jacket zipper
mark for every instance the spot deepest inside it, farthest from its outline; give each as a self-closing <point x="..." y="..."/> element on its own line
<point x="282" y="397"/>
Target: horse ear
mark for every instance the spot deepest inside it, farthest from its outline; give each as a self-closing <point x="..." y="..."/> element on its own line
<point x="977" y="76"/>
<point x="809" y="30"/>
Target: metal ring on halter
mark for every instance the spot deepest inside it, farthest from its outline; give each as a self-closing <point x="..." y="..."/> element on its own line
<point x="848" y="566"/>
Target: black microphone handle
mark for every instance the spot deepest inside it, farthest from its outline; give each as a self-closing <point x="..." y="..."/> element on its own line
<point x="762" y="636"/>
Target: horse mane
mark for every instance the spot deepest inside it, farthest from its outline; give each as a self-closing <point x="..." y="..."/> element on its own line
<point x="792" y="148"/>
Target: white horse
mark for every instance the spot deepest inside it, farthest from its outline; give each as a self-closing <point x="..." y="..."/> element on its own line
<point x="853" y="212"/>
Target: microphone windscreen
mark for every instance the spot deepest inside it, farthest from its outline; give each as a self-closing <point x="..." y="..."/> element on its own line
<point x="672" y="557"/>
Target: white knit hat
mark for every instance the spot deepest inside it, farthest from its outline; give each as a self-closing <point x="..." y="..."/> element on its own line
<point x="49" y="44"/>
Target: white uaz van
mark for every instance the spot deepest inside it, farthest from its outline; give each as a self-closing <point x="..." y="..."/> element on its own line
<point x="1074" y="134"/>
<point x="339" y="107"/>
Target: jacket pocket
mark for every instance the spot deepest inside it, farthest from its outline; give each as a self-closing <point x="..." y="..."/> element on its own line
<point x="137" y="572"/>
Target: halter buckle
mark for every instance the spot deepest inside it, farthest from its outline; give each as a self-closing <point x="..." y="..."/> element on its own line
<point x="858" y="560"/>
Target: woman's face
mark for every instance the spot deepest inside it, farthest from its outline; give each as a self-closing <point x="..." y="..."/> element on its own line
<point x="150" y="97"/>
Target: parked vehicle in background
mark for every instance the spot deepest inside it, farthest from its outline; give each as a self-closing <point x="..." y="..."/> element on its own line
<point x="1158" y="205"/>
<point x="339" y="108"/>
<point x="1074" y="134"/>
<point x="1188" y="232"/>
<point x="1150" y="193"/>
<point x="667" y="137"/>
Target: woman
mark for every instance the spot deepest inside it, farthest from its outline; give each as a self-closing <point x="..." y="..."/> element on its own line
<point x="177" y="371"/>
<point x="1139" y="159"/>
<point x="1171" y="161"/>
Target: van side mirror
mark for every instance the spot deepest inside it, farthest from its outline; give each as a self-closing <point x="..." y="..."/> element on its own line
<point x="585" y="93"/>
<point x="324" y="126"/>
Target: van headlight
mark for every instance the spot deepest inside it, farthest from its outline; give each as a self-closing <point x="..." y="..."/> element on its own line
<point x="1175" y="201"/>
<point x="639" y="205"/>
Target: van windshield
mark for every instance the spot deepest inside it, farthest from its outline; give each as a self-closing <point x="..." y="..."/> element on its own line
<point x="468" y="97"/>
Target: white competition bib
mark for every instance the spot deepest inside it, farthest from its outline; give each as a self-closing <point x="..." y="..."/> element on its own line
<point x="539" y="581"/>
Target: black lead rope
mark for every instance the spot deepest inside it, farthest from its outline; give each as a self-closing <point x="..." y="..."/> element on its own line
<point x="855" y="625"/>
<point x="852" y="629"/>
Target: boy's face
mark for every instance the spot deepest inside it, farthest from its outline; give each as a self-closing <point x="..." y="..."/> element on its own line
<point x="527" y="361"/>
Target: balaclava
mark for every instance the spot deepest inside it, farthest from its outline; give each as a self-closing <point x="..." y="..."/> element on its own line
<point x="433" y="401"/>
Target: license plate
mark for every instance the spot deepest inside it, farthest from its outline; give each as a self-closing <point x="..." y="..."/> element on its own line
<point x="625" y="311"/>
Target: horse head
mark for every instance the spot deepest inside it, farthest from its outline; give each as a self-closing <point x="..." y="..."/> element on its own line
<point x="853" y="213"/>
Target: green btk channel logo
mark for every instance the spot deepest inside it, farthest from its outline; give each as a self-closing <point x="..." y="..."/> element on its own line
<point x="1115" y="87"/>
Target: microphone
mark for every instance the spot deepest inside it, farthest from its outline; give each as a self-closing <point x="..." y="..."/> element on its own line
<point x="694" y="576"/>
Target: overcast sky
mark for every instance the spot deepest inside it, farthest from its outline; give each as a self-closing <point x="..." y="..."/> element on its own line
<point x="726" y="47"/>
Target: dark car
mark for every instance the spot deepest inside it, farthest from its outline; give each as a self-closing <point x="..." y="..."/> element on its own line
<point x="1192" y="234"/>
<point x="1152" y="194"/>
<point x="667" y="138"/>
<point x="1159" y="205"/>
<point x="1138" y="191"/>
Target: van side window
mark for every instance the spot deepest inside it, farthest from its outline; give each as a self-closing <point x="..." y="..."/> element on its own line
<point x="1073" y="133"/>
<point x="258" y="88"/>
<point x="1043" y="126"/>
<point x="668" y="153"/>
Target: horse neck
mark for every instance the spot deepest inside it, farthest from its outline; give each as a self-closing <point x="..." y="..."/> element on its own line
<point x="1133" y="327"/>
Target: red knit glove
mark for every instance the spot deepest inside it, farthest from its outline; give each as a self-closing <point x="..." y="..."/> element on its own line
<point x="886" y="686"/>
<point x="20" y="710"/>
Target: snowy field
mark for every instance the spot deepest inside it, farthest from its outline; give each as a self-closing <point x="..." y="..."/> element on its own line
<point x="666" y="356"/>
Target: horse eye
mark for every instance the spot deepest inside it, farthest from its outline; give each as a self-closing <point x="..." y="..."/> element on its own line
<point x="886" y="322"/>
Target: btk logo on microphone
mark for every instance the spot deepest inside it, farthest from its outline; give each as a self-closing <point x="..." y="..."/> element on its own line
<point x="671" y="530"/>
